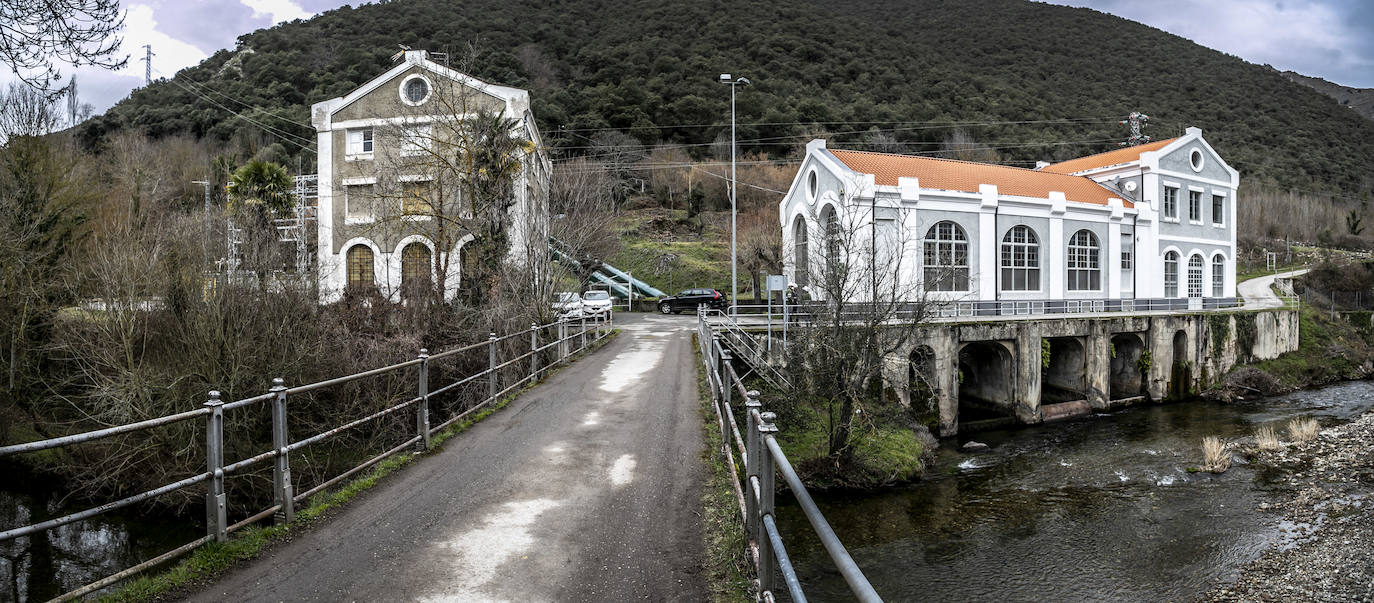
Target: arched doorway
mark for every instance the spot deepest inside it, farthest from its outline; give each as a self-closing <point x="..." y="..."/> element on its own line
<point x="1125" y="379"/>
<point x="1064" y="374"/>
<point x="986" y="379"/>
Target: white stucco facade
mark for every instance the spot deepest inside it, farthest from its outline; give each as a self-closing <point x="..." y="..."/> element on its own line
<point x="1107" y="236"/>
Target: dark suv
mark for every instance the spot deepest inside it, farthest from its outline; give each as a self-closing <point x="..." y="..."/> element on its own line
<point x="690" y="299"/>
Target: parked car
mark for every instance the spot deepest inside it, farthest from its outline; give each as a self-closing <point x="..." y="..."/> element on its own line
<point x="690" y="299"/>
<point x="596" y="303"/>
<point x="567" y="305"/>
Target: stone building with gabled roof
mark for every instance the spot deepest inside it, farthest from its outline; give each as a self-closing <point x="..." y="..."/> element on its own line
<point x="384" y="213"/>
<point x="1155" y="221"/>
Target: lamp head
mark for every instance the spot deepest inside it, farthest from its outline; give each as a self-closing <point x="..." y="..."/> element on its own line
<point x="744" y="80"/>
<point x="724" y="77"/>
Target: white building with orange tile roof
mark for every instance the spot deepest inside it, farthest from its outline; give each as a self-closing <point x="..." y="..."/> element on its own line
<point x="1154" y="221"/>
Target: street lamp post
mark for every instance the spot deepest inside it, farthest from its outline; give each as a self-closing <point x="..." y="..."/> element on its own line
<point x="734" y="281"/>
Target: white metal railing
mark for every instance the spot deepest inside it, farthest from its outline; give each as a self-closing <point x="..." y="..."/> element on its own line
<point x="569" y="337"/>
<point x="758" y="450"/>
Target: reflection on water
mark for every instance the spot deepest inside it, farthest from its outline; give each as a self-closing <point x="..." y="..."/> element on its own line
<point x="42" y="566"/>
<point x="1097" y="509"/>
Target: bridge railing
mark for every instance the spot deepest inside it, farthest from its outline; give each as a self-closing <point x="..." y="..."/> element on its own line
<point x="761" y="459"/>
<point x="568" y="337"/>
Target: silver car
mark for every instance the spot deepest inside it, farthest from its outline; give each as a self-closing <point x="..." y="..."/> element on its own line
<point x="567" y="305"/>
<point x="596" y="303"/>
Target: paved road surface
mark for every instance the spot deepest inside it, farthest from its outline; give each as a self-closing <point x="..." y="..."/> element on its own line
<point x="586" y="488"/>
<point x="1259" y="291"/>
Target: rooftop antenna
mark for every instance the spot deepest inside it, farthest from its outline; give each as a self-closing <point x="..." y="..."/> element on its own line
<point x="1137" y="121"/>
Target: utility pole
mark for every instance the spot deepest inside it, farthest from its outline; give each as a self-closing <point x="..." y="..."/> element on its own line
<point x="147" y="64"/>
<point x="1137" y="121"/>
<point x="734" y="281"/>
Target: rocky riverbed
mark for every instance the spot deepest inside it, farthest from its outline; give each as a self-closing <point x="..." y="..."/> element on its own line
<point x="1327" y="552"/>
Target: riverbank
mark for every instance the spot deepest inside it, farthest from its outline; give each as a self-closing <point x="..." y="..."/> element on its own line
<point x="1328" y="521"/>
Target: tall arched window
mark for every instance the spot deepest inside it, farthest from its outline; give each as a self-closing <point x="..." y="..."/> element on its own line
<point x="360" y="274"/>
<point x="415" y="280"/>
<point x="830" y="229"/>
<point x="1171" y="274"/>
<point x="1195" y="275"/>
<point x="1085" y="268"/>
<point x="1020" y="260"/>
<point x="946" y="258"/>
<point x="1218" y="275"/>
<point x="801" y="252"/>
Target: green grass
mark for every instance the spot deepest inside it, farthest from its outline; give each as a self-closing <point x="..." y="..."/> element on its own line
<point x="728" y="568"/>
<point x="214" y="559"/>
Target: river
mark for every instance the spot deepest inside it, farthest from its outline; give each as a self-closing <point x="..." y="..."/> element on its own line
<point x="1097" y="509"/>
<point x="40" y="567"/>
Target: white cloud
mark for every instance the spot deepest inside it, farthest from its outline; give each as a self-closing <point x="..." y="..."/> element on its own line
<point x="278" y="10"/>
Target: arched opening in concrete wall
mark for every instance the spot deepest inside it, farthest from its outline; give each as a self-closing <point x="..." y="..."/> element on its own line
<point x="987" y="377"/>
<point x="1125" y="379"/>
<point x="1064" y="373"/>
<point x="921" y="385"/>
<point x="801" y="253"/>
<point x="1180" y="371"/>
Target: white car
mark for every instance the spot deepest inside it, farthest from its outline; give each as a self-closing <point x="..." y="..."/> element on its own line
<point x="567" y="305"/>
<point x="596" y="303"/>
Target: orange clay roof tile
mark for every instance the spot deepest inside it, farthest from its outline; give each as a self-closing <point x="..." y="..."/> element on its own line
<point x="1100" y="160"/>
<point x="949" y="174"/>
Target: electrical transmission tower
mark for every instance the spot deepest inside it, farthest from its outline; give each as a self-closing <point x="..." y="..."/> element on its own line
<point x="1137" y="121"/>
<point x="73" y="104"/>
<point x="147" y="64"/>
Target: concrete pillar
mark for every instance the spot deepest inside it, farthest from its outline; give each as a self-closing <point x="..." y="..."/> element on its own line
<point x="986" y="278"/>
<point x="1055" y="247"/>
<point x="945" y="344"/>
<point x="1025" y="356"/>
<point x="1097" y="346"/>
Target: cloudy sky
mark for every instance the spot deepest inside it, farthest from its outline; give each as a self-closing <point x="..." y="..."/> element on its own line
<point x="1333" y="39"/>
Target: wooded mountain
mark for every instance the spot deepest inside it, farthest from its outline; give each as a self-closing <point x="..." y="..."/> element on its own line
<point x="1359" y="100"/>
<point x="1032" y="81"/>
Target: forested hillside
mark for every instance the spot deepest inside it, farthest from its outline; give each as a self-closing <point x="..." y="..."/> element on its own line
<point x="1032" y="81"/>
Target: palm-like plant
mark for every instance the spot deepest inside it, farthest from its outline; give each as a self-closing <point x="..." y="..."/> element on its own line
<point x="260" y="186"/>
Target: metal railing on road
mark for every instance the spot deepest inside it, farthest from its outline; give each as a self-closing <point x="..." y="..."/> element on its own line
<point x="762" y="457"/>
<point x="569" y="338"/>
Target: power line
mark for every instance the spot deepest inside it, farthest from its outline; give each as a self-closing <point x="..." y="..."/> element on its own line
<point x="285" y="136"/>
<point x="204" y="86"/>
<point x="1065" y="120"/>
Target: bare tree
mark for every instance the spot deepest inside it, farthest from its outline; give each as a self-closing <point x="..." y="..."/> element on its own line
<point x="867" y="308"/>
<point x="959" y="144"/>
<point x="36" y="34"/>
<point x="582" y="220"/>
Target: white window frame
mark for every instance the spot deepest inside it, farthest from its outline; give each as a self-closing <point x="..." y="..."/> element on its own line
<point x="1084" y="262"/>
<point x="1171" y="260"/>
<point x="1218" y="275"/>
<point x="1027" y="264"/>
<point x="1219" y="221"/>
<point x="350" y="217"/>
<point x="1195" y="194"/>
<point x="359" y="144"/>
<point x="429" y="89"/>
<point x="946" y="247"/>
<point x="416" y="138"/>
<point x="1169" y="205"/>
<point x="1195" y="284"/>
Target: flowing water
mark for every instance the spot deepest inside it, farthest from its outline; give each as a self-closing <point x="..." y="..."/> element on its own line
<point x="1099" y="509"/>
<point x="42" y="566"/>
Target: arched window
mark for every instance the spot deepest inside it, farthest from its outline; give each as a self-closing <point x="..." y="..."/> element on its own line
<point x="360" y="274"/>
<point x="1085" y="269"/>
<point x="1218" y="275"/>
<point x="1171" y="274"/>
<point x="415" y="280"/>
<point x="946" y="258"/>
<point x="830" y="227"/>
<point x="1020" y="260"/>
<point x="1195" y="276"/>
<point x="801" y="252"/>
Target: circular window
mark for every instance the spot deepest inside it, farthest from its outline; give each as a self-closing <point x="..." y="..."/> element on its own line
<point x="1195" y="158"/>
<point x="415" y="90"/>
<point x="811" y="185"/>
